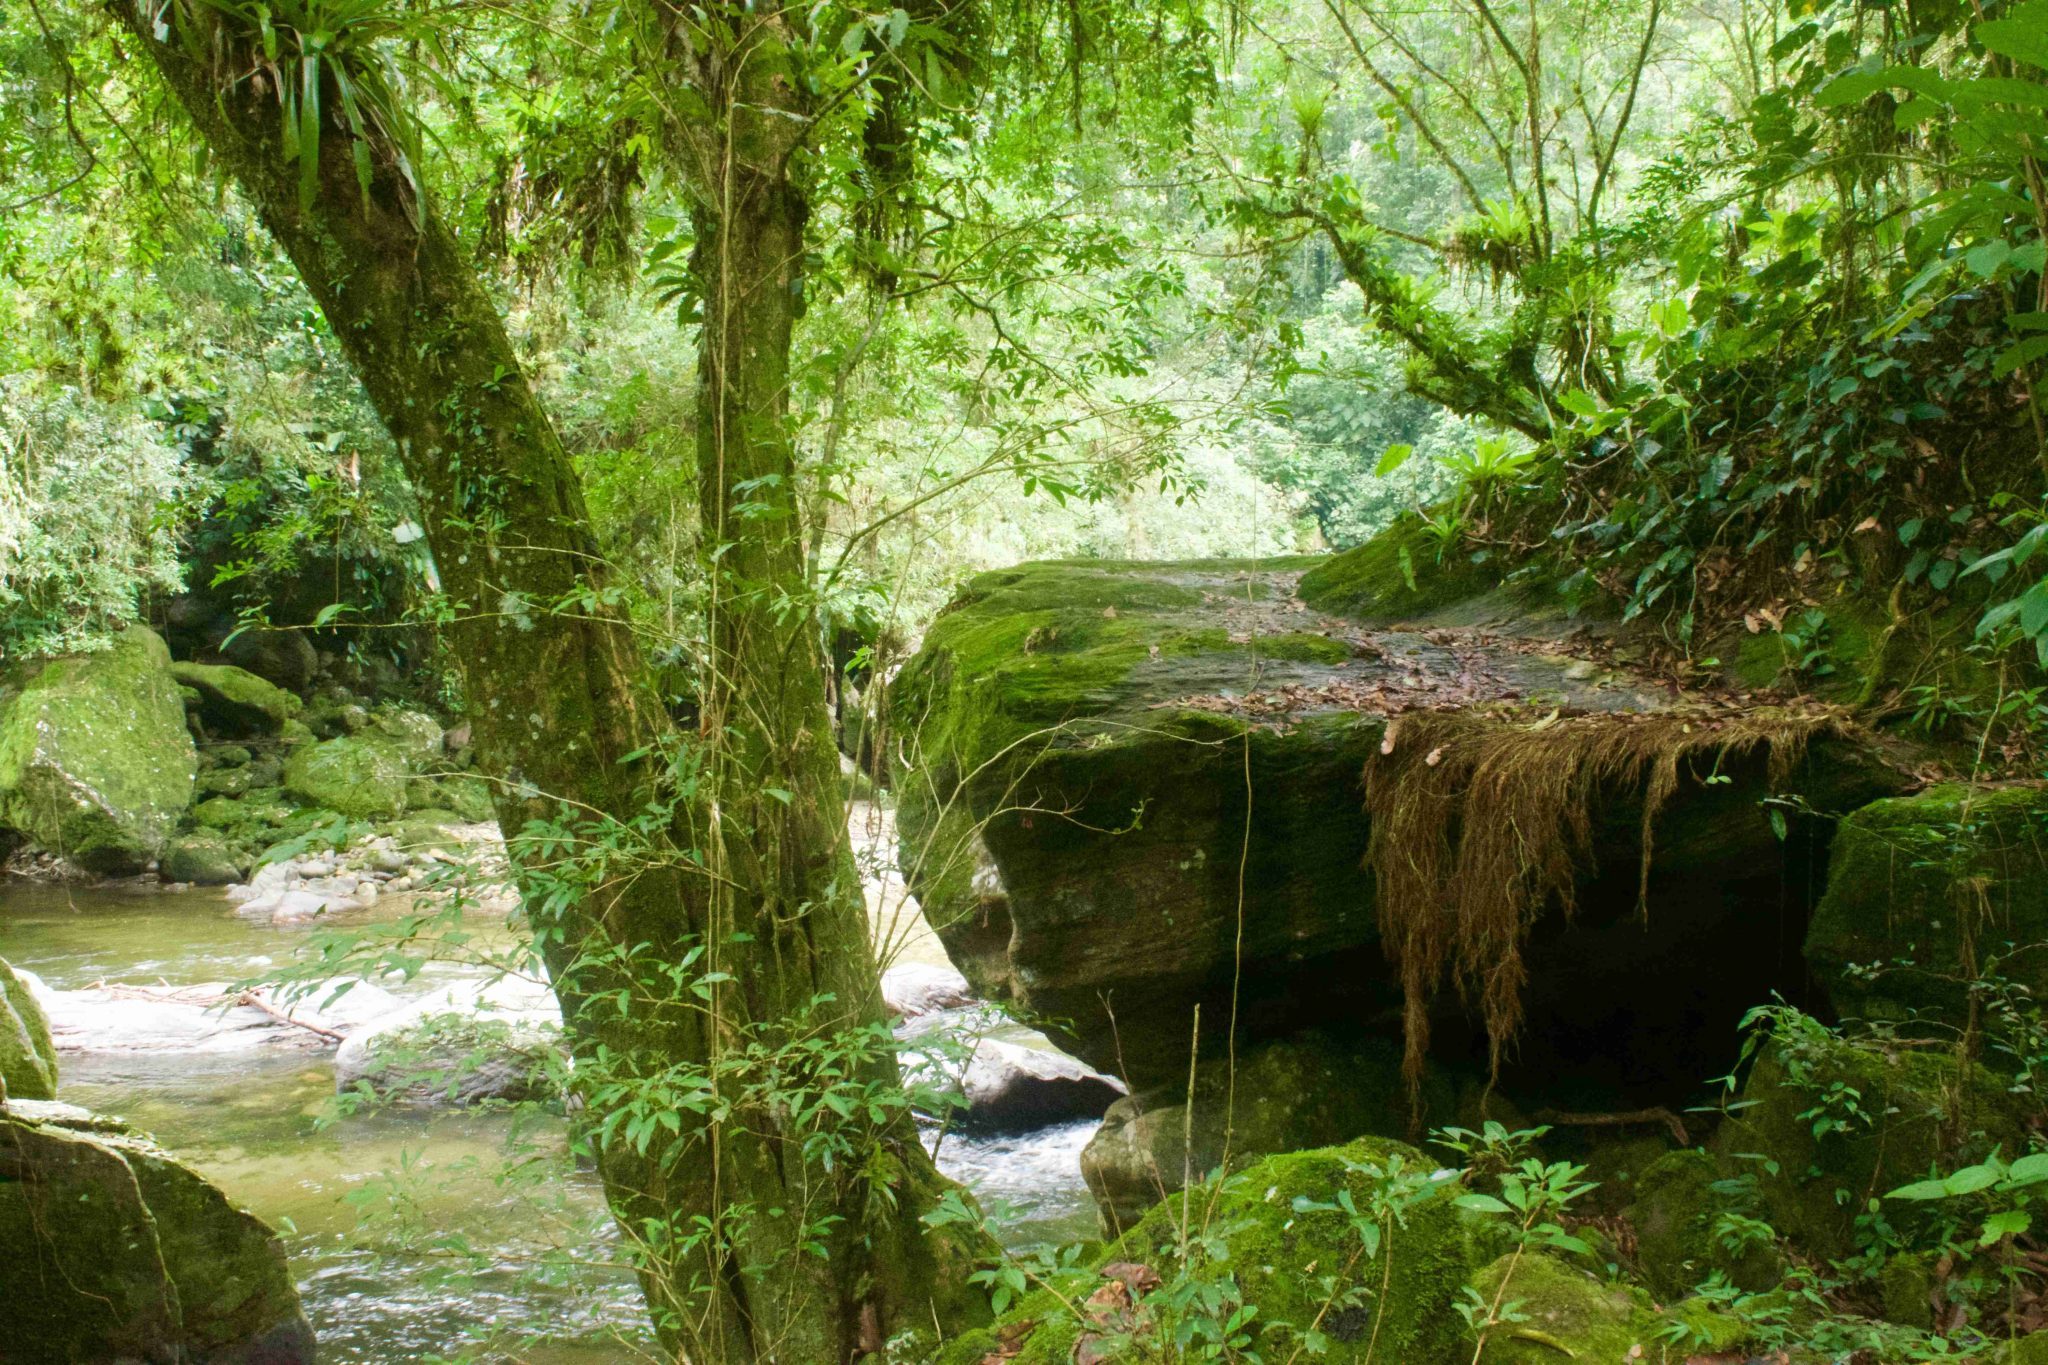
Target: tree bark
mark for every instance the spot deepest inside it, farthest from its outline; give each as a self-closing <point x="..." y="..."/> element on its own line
<point x="770" y="1229"/>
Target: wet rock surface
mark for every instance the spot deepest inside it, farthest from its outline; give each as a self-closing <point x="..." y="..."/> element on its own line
<point x="115" y="1250"/>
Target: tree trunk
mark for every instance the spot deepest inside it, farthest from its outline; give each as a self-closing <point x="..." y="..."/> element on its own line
<point x="769" y="1227"/>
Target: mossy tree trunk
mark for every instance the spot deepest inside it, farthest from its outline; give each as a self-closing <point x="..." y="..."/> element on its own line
<point x="758" y="1248"/>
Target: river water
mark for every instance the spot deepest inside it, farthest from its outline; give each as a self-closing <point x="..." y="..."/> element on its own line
<point x="415" y="1235"/>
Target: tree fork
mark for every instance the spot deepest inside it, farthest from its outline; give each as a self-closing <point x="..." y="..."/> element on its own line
<point x="556" y="691"/>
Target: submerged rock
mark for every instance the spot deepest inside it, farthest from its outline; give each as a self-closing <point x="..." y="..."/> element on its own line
<point x="203" y="1017"/>
<point x="235" y="702"/>
<point x="28" y="1059"/>
<point x="117" y="1251"/>
<point x="96" y="764"/>
<point x="471" y="1043"/>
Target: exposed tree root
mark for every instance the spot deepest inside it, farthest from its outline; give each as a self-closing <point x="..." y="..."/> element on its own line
<point x="1481" y="822"/>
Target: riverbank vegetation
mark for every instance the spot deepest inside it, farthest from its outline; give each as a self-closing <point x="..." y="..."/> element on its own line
<point x="1541" y="654"/>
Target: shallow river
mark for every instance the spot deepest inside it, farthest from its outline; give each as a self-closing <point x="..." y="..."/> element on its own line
<point x="414" y="1235"/>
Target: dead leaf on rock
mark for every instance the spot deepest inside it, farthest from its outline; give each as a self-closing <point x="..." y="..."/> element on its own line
<point x="1138" y="1278"/>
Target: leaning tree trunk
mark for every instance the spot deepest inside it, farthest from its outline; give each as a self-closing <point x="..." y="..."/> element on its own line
<point x="756" y="1246"/>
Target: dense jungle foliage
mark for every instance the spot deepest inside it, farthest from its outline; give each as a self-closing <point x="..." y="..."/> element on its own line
<point x="635" y="384"/>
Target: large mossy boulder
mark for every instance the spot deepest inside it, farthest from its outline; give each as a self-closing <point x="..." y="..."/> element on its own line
<point x="234" y="702"/>
<point x="116" y="1251"/>
<point x="1133" y="789"/>
<point x="96" y="763"/>
<point x="362" y="776"/>
<point x="1926" y="892"/>
<point x="28" y="1057"/>
<point x="1275" y="1236"/>
<point x="1827" y="1127"/>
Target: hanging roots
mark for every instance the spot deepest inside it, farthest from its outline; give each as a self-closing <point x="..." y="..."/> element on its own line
<point x="1481" y="822"/>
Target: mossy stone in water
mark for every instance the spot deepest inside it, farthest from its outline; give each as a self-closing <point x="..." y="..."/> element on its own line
<point x="203" y="858"/>
<point x="28" y="1058"/>
<point x="1921" y="886"/>
<point x="117" y="1251"/>
<point x="95" y="761"/>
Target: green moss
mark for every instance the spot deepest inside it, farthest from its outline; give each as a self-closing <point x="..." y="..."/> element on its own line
<point x="233" y="701"/>
<point x="1679" y="1200"/>
<point x="1841" y="1124"/>
<point x="1563" y="1313"/>
<point x="361" y="776"/>
<point x="1921" y="886"/>
<point x="1397" y="575"/>
<point x="95" y="759"/>
<point x="1274" y="1233"/>
<point x="28" y="1058"/>
<point x="204" y="858"/>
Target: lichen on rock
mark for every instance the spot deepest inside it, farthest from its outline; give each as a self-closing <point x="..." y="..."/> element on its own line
<point x="28" y="1057"/>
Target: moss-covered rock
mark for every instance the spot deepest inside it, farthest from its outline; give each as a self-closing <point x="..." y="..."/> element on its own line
<point x="234" y="702"/>
<point x="205" y="859"/>
<point x="1398" y="575"/>
<point x="361" y="776"/>
<point x="28" y="1058"/>
<point x="1301" y="1092"/>
<point x="96" y="763"/>
<point x="1680" y="1200"/>
<point x="116" y="1251"/>
<point x="1561" y="1312"/>
<point x="1829" y="1126"/>
<point x="1274" y="1236"/>
<point x="1926" y="890"/>
<point x="1123" y="805"/>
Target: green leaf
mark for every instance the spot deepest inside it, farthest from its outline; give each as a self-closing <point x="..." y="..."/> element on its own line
<point x="1971" y="1179"/>
<point x="2018" y="354"/>
<point x="2028" y="1169"/>
<point x="2023" y="40"/>
<point x="1396" y="456"/>
<point x="1481" y="1203"/>
<point x="1921" y="1190"/>
<point x="2008" y="1223"/>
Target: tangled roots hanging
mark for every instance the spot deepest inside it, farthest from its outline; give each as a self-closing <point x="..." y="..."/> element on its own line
<point x="1478" y="823"/>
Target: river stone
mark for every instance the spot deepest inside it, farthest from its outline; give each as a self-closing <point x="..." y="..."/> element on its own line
<point x="361" y="776"/>
<point x="204" y="859"/>
<point x="96" y="763"/>
<point x="277" y="655"/>
<point x="115" y="1250"/>
<point x="28" y="1059"/>
<point x="235" y="702"/>
<point x="911" y="989"/>
<point x="1305" y="1091"/>
<point x="471" y="1043"/>
<point x="1154" y="842"/>
<point x="417" y="735"/>
<point x="1921" y="886"/>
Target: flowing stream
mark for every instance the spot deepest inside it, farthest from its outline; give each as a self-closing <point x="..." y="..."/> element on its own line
<point x="413" y="1233"/>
